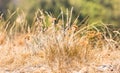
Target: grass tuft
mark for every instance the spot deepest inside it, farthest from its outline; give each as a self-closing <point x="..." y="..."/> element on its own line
<point x="57" y="46"/>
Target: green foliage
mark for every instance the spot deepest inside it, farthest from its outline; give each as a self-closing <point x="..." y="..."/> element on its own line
<point x="100" y="10"/>
<point x="106" y="10"/>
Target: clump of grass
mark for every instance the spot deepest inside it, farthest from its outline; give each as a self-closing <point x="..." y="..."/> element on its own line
<point x="61" y="45"/>
<point x="67" y="46"/>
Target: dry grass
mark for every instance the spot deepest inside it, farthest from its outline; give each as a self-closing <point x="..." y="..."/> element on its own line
<point x="48" y="47"/>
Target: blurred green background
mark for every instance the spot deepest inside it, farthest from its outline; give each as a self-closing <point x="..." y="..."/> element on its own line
<point x="107" y="11"/>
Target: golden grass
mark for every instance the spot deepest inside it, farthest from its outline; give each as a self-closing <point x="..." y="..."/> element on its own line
<point x="58" y="48"/>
